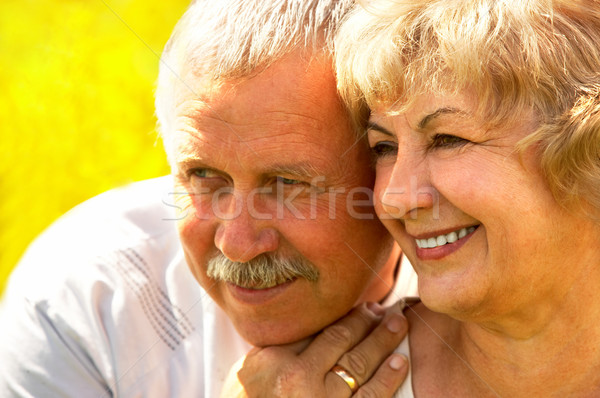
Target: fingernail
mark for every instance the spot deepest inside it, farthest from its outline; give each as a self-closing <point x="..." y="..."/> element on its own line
<point x="375" y="308"/>
<point x="398" y="361"/>
<point x="396" y="323"/>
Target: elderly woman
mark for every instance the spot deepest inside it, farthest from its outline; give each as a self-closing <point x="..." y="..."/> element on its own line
<point x="485" y="129"/>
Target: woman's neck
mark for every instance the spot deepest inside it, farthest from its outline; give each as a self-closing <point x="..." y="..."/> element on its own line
<point x="562" y="359"/>
<point x="548" y="349"/>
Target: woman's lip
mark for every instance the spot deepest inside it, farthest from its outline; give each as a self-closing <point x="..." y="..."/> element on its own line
<point x="439" y="252"/>
<point x="258" y="296"/>
<point x="442" y="232"/>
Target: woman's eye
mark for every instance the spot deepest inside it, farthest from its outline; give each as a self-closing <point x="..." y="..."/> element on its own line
<point x="446" y="141"/>
<point x="384" y="148"/>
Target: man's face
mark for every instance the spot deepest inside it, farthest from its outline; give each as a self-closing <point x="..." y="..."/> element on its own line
<point x="270" y="167"/>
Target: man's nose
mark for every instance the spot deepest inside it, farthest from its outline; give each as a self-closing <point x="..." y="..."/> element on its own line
<point x="240" y="236"/>
<point x="408" y="189"/>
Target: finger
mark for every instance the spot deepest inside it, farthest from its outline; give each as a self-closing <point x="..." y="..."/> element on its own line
<point x="257" y="356"/>
<point x="337" y="387"/>
<point x="335" y="340"/>
<point x="387" y="379"/>
<point x="258" y="368"/>
<point x="364" y="359"/>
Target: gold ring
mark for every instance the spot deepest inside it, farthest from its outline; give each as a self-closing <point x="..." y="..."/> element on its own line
<point x="346" y="376"/>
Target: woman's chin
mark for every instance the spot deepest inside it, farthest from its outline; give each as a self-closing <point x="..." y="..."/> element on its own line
<point x="456" y="303"/>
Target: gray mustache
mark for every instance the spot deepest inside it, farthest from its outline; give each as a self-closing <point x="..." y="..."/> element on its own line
<point x="261" y="272"/>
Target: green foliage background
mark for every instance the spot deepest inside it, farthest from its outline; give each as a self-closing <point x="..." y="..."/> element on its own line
<point x="76" y="106"/>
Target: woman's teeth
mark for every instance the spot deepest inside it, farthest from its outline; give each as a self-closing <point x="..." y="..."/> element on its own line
<point x="441" y="240"/>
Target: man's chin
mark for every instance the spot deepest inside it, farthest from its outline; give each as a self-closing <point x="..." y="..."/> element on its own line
<point x="276" y="334"/>
<point x="268" y="339"/>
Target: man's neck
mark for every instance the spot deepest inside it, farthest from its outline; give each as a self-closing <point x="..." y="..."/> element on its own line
<point x="383" y="282"/>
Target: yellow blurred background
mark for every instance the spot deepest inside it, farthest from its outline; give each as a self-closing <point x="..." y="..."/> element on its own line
<point x="76" y="106"/>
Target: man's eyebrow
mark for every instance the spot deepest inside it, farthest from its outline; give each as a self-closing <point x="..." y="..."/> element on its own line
<point x="441" y="111"/>
<point x="301" y="169"/>
<point x="381" y="129"/>
<point x="188" y="161"/>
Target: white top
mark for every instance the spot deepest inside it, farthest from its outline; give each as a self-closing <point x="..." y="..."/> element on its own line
<point x="103" y="305"/>
<point x="406" y="287"/>
<point x="406" y="389"/>
<point x="406" y="284"/>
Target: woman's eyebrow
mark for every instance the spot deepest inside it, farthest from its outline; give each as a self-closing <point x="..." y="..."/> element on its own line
<point x="381" y="129"/>
<point x="441" y="111"/>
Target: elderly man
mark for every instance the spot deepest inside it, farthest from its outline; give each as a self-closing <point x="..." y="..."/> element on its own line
<point x="270" y="213"/>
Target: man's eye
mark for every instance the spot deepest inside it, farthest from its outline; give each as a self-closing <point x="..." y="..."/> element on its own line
<point x="199" y="173"/>
<point x="202" y="173"/>
<point x="288" y="181"/>
<point x="446" y="141"/>
<point x="384" y="148"/>
<point x="205" y="181"/>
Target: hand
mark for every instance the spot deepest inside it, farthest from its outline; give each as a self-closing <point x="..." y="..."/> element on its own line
<point x="361" y="342"/>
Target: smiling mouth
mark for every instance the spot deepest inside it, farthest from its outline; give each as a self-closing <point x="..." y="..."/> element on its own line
<point x="445" y="239"/>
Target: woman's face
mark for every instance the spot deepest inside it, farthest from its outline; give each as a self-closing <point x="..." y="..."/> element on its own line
<point x="477" y="221"/>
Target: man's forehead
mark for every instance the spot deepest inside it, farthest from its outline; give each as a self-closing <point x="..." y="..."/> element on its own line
<point x="292" y="77"/>
<point x="313" y="119"/>
<point x="288" y="118"/>
<point x="263" y="119"/>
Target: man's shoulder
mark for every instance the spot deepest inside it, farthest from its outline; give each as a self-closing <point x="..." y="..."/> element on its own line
<point x="105" y="292"/>
<point x="100" y="239"/>
<point x="141" y="209"/>
<point x="119" y="217"/>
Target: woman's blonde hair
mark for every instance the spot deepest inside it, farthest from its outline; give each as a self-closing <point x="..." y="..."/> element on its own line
<point x="517" y="56"/>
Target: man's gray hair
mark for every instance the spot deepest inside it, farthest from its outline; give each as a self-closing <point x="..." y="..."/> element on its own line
<point x="218" y="40"/>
